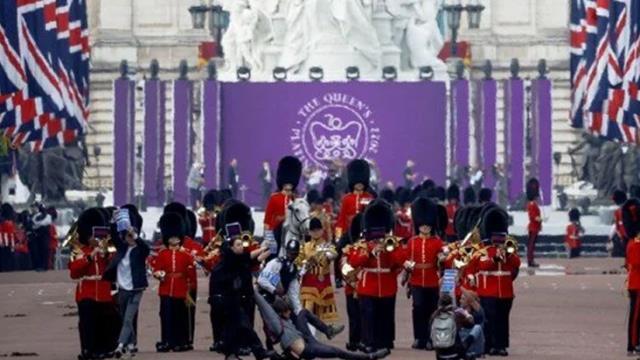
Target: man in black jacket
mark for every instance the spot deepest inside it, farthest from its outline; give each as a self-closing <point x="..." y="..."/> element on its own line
<point x="128" y="270"/>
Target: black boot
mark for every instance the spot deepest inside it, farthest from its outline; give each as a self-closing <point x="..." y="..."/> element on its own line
<point x="380" y="354"/>
<point x="418" y="344"/>
<point x="429" y="346"/>
<point x="334" y="330"/>
<point x="352" y="347"/>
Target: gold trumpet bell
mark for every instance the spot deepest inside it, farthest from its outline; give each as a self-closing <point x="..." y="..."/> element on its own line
<point x="247" y="240"/>
<point x="511" y="245"/>
<point x="390" y="243"/>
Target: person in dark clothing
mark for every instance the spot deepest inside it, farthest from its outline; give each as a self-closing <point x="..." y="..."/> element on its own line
<point x="41" y="221"/>
<point x="233" y="177"/>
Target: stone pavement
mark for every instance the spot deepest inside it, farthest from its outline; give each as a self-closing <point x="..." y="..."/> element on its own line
<point x="555" y="316"/>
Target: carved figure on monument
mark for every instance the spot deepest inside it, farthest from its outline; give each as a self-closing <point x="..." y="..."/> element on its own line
<point x="248" y="34"/>
<point x="313" y="25"/>
<point x="592" y="146"/>
<point x="609" y="178"/>
<point x="630" y="168"/>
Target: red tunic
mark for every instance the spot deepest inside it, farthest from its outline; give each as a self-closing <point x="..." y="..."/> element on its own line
<point x="495" y="279"/>
<point x="632" y="263"/>
<point x="53" y="238"/>
<point x="22" y="243"/>
<point x="208" y="226"/>
<point x="451" y="214"/>
<point x="89" y="272"/>
<point x="404" y="224"/>
<point x="352" y="204"/>
<point x="7" y="234"/>
<point x="276" y="210"/>
<point x="196" y="250"/>
<point x="177" y="265"/>
<point x="572" y="236"/>
<point x="255" y="264"/>
<point x="535" y="219"/>
<point x="424" y="252"/>
<point x="379" y="277"/>
<point x="617" y="217"/>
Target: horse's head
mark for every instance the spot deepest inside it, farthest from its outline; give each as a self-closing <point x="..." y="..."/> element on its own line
<point x="298" y="215"/>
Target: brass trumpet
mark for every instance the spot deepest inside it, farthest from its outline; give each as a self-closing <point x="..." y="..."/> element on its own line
<point x="71" y="239"/>
<point x="511" y="245"/>
<point x="247" y="240"/>
<point x="390" y="243"/>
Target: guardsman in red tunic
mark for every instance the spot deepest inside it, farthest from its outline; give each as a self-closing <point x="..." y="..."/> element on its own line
<point x="631" y="220"/>
<point x="423" y="251"/>
<point x="207" y="215"/>
<point x="380" y="263"/>
<point x="453" y="204"/>
<point x="573" y="233"/>
<point x="404" y="228"/>
<point x="618" y="236"/>
<point x="535" y="219"/>
<point x="173" y="266"/>
<point x="88" y="262"/>
<point x="496" y="267"/>
<point x="358" y="174"/>
<point x="287" y="179"/>
<point x="7" y="237"/>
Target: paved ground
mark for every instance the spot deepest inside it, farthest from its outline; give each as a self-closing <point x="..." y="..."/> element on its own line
<point x="555" y="316"/>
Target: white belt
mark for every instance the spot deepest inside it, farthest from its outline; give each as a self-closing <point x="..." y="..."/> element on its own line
<point x="495" y="273"/>
<point x="377" y="271"/>
<point x="92" y="277"/>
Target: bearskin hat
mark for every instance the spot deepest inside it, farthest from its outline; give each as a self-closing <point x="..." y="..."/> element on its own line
<point x="211" y="199"/>
<point x="619" y="197"/>
<point x="238" y="212"/>
<point x="424" y="212"/>
<point x="453" y="192"/>
<point x="289" y="171"/>
<point x="355" y="229"/>
<point x="485" y="195"/>
<point x="469" y="196"/>
<point x="574" y="215"/>
<point x="192" y="224"/>
<point x="443" y="220"/>
<point x="7" y="212"/>
<point x="428" y="184"/>
<point x="415" y="192"/>
<point x="631" y="217"/>
<point x="473" y="217"/>
<point x="358" y="172"/>
<point x="533" y="189"/>
<point x="225" y="195"/>
<point x="388" y="195"/>
<point x="315" y="224"/>
<point x="495" y="221"/>
<point x="134" y="217"/>
<point x="90" y="218"/>
<point x="328" y="192"/>
<point x="313" y="197"/>
<point x="378" y="215"/>
<point x="460" y="222"/>
<point x="404" y="196"/>
<point x="180" y="209"/>
<point x="172" y="225"/>
<point x="440" y="193"/>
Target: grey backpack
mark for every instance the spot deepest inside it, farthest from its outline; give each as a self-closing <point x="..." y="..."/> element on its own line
<point x="444" y="330"/>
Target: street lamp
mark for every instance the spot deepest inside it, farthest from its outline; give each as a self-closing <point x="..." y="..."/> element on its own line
<point x="453" y="10"/>
<point x="218" y="22"/>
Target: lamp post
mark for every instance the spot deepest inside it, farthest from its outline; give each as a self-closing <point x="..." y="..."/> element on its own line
<point x="218" y="22"/>
<point x="453" y="10"/>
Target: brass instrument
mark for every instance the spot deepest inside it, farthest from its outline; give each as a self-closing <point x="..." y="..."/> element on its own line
<point x="511" y="245"/>
<point x="71" y="239"/>
<point x="247" y="240"/>
<point x="213" y="247"/>
<point x="390" y="243"/>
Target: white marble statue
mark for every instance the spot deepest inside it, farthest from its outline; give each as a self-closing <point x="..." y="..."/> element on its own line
<point x="248" y="34"/>
<point x="416" y="29"/>
<point x="313" y="24"/>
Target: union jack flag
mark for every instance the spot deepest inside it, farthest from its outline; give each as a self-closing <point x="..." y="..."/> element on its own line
<point x="44" y="72"/>
<point x="605" y="68"/>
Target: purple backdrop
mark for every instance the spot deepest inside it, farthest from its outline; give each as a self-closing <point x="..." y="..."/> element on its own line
<point x="182" y="138"/>
<point x="485" y="128"/>
<point x="460" y="122"/>
<point x="542" y="138"/>
<point x="210" y="133"/>
<point x="124" y="141"/>
<point x="386" y="122"/>
<point x="514" y="136"/>
<point x="154" y="134"/>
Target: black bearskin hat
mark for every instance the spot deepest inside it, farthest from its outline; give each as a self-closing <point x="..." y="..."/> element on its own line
<point x="473" y="217"/>
<point x="428" y="184"/>
<point x="315" y="224"/>
<point x="7" y="212"/>
<point x="404" y="196"/>
<point x="192" y="222"/>
<point x="443" y="220"/>
<point x="424" y="212"/>
<point x="328" y="192"/>
<point x="355" y="229"/>
<point x="378" y="215"/>
<point x="211" y="199"/>
<point x="358" y="172"/>
<point x="460" y="222"/>
<point x="180" y="209"/>
<point x="469" y="196"/>
<point x="631" y="217"/>
<point x="289" y="171"/>
<point x="134" y="217"/>
<point x="388" y="195"/>
<point x="619" y="197"/>
<point x="533" y="189"/>
<point x="90" y="218"/>
<point x="574" y="215"/>
<point x="440" y="193"/>
<point x="495" y="221"/>
<point x="172" y="225"/>
<point x="225" y="195"/>
<point x="313" y="197"/>
<point x="485" y="195"/>
<point x="453" y="192"/>
<point x="238" y="212"/>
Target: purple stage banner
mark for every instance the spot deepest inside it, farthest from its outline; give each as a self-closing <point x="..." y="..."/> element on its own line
<point x="542" y="138"/>
<point x="210" y="133"/>
<point x="460" y="116"/>
<point x="154" y="141"/>
<point x="124" y="141"/>
<point x="182" y="138"/>
<point x="388" y="123"/>
<point x="485" y="128"/>
<point x="514" y="111"/>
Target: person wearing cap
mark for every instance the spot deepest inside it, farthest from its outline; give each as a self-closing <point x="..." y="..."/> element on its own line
<point x="630" y="214"/>
<point x="378" y="282"/>
<point x="496" y="269"/>
<point x="316" y="256"/>
<point x="358" y="174"/>
<point x="423" y="251"/>
<point x="535" y="219"/>
<point x="618" y="237"/>
<point x="95" y="303"/>
<point x="485" y="195"/>
<point x="453" y="204"/>
<point x="469" y="196"/>
<point x="287" y="179"/>
<point x="573" y="233"/>
<point x="173" y="267"/>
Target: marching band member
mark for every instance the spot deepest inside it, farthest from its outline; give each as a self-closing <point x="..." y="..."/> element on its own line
<point x="573" y="233"/>
<point x="358" y="174"/>
<point x="404" y="228"/>
<point x="319" y="211"/>
<point x="535" y="219"/>
<point x="453" y="204"/>
<point x="618" y="238"/>
<point x="7" y="237"/>
<point x="631" y="219"/>
<point x="207" y="215"/>
<point x="348" y="245"/>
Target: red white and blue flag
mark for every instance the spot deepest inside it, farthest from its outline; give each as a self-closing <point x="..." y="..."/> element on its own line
<point x="605" y="68"/>
<point x="44" y="72"/>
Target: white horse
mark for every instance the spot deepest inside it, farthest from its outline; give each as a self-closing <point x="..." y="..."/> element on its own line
<point x="296" y="223"/>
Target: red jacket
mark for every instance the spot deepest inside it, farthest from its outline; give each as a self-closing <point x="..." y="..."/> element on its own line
<point x="535" y="217"/>
<point x="276" y="210"/>
<point x="255" y="264"/>
<point x="53" y="237"/>
<point x="89" y="272"/>
<point x="7" y="234"/>
<point x="177" y="265"/>
<point x="22" y="243"/>
<point x="494" y="279"/>
<point x="451" y="214"/>
<point x="351" y="205"/>
<point x="572" y="236"/>
<point x="632" y="263"/>
<point x="617" y="217"/>
<point x="424" y="252"/>
<point x="196" y="250"/>
<point x="404" y="224"/>
<point x="208" y="226"/>
<point x="379" y="277"/>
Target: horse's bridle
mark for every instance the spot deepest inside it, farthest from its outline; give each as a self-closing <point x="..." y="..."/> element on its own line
<point x="297" y="231"/>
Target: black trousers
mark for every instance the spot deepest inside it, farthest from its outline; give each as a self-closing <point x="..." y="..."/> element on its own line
<point x="98" y="323"/>
<point x="314" y="349"/>
<point x="6" y="259"/>
<point x="531" y="247"/>
<point x="22" y="261"/>
<point x="425" y="302"/>
<point x="496" y="328"/>
<point x="238" y="331"/>
<point x="39" y="248"/>
<point x="633" y="330"/>
<point x="355" y="321"/>
<point x="193" y="293"/>
<point x="378" y="321"/>
<point x="174" y="322"/>
<point x="216" y="316"/>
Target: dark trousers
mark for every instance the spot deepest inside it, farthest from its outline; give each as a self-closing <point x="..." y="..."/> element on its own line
<point x="496" y="328"/>
<point x="425" y="302"/>
<point x="619" y="246"/>
<point x="22" y="261"/>
<point x="96" y="324"/>
<point x="6" y="259"/>
<point x="216" y="316"/>
<point x="195" y="195"/>
<point x="575" y="252"/>
<point x="39" y="248"/>
<point x="378" y="321"/>
<point x="192" y="315"/>
<point x="633" y="330"/>
<point x="238" y="331"/>
<point x="174" y="322"/>
<point x="316" y="350"/>
<point x="355" y="322"/>
<point x="531" y="247"/>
